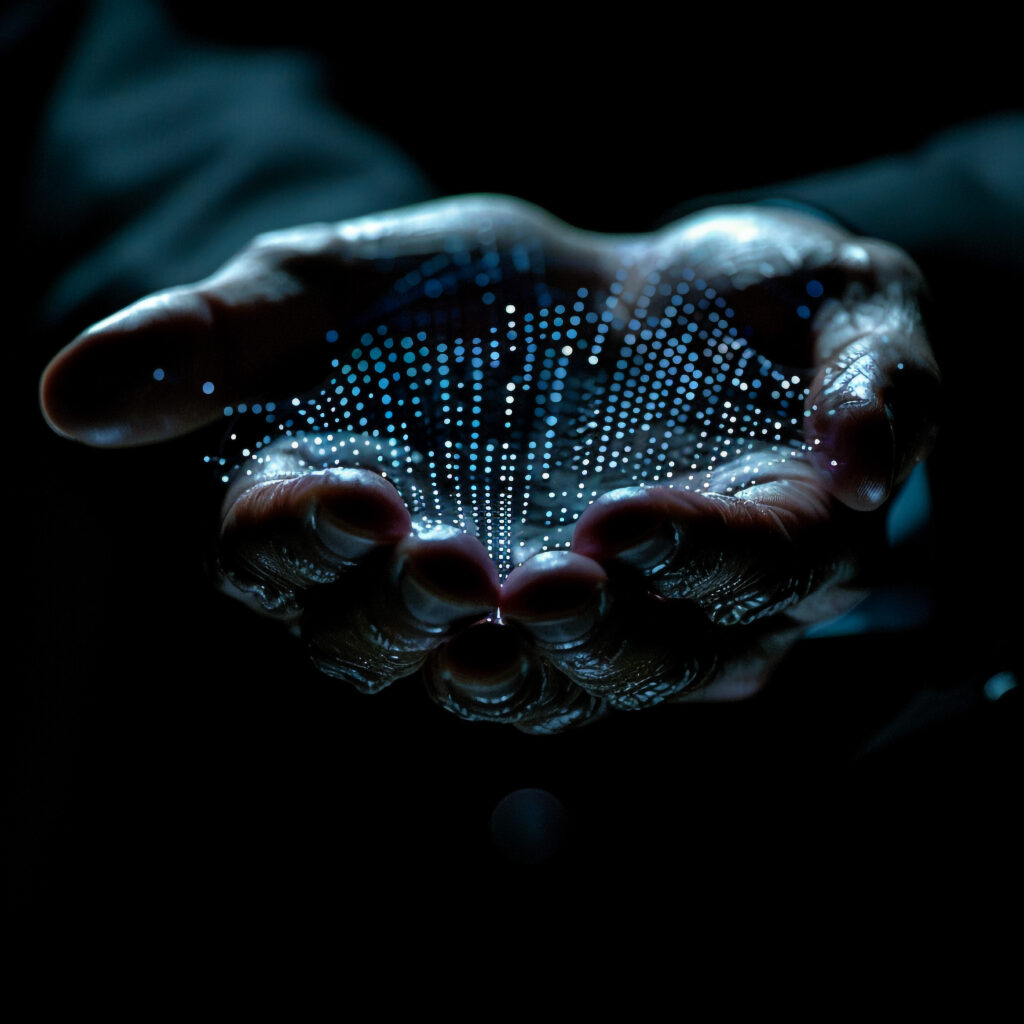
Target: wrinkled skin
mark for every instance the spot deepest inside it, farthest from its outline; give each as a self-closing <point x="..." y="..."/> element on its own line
<point x="667" y="594"/>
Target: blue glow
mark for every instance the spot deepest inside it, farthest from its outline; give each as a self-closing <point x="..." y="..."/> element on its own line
<point x="999" y="684"/>
<point x="565" y="398"/>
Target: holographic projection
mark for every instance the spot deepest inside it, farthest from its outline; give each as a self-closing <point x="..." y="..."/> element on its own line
<point x="503" y="403"/>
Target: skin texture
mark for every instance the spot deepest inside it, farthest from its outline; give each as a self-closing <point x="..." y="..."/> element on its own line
<point x="666" y="595"/>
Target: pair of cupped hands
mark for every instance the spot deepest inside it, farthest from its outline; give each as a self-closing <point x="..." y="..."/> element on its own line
<point x="667" y="594"/>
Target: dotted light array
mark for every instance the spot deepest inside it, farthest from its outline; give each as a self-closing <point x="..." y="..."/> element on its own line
<point x="500" y="404"/>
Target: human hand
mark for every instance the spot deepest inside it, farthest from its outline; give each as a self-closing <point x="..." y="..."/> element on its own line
<point x="735" y="559"/>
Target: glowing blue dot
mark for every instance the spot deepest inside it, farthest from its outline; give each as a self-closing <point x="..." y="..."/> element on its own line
<point x="803" y="312"/>
<point x="815" y="289"/>
<point x="332" y="336"/>
<point x="158" y="374"/>
<point x="487" y="298"/>
<point x="208" y="388"/>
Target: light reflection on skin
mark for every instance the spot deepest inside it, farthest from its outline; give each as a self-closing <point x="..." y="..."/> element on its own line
<point x="537" y="387"/>
<point x="503" y="406"/>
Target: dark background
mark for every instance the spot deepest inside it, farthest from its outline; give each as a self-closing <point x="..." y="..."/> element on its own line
<point x="174" y="757"/>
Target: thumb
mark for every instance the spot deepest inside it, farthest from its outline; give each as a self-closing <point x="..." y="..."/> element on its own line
<point x="169" y="363"/>
<point x="147" y="373"/>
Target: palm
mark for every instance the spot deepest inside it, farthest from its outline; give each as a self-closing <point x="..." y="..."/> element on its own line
<point x="537" y="388"/>
<point x="503" y="383"/>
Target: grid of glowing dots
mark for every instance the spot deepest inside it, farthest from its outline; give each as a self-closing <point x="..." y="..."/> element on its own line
<point x="499" y="405"/>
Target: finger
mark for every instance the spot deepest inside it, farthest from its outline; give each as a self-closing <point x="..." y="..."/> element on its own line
<point x="739" y="557"/>
<point x="380" y="622"/>
<point x="873" y="402"/>
<point x="609" y="636"/>
<point x="281" y="537"/>
<point x="660" y="651"/>
<point x="173" y="361"/>
<point x="489" y="672"/>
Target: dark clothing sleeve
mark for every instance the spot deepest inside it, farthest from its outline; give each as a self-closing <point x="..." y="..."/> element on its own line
<point x="960" y="197"/>
<point x="156" y="156"/>
<point x="955" y="204"/>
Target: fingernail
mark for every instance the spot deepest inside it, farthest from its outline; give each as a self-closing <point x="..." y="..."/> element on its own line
<point x="490" y="689"/>
<point x="358" y="513"/>
<point x="629" y="525"/>
<point x="557" y="596"/>
<point x="340" y="540"/>
<point x="135" y="376"/>
<point x="856" y="448"/>
<point x="445" y="579"/>
<point x="482" y="674"/>
<point x="433" y="608"/>
<point x="655" y="551"/>
<point x="570" y="629"/>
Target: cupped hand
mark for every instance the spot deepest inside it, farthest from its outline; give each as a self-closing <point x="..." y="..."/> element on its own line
<point x="676" y="586"/>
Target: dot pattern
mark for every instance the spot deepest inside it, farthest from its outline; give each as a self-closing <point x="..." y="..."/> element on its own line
<point x="504" y="405"/>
